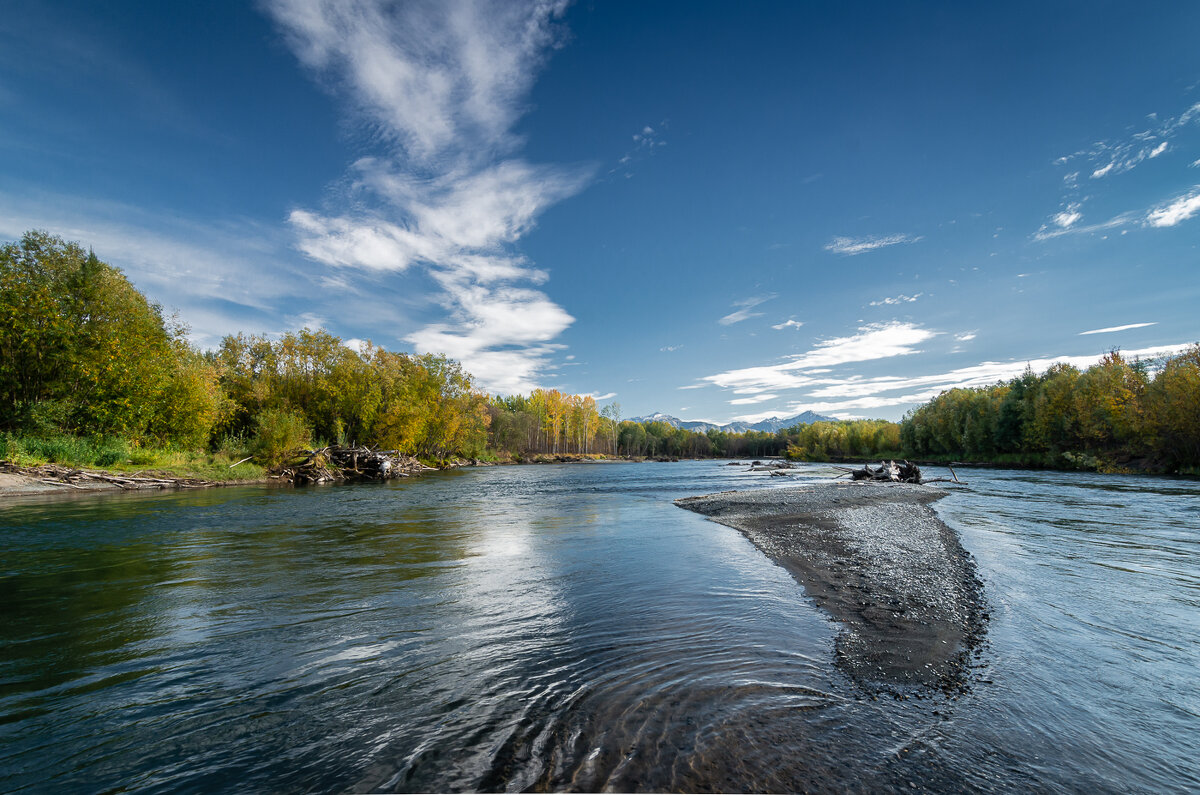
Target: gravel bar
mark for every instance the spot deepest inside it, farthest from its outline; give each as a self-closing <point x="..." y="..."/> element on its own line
<point x="878" y="559"/>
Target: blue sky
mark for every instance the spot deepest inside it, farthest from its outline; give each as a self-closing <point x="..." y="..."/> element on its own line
<point x="718" y="211"/>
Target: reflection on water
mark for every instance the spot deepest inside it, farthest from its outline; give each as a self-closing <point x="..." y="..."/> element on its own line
<point x="566" y="627"/>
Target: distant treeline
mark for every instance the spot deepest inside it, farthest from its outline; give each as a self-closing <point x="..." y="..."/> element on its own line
<point x="822" y="441"/>
<point x="84" y="354"/>
<point x="1116" y="414"/>
<point x="1105" y="417"/>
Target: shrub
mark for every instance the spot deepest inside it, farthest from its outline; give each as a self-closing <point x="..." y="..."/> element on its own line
<point x="280" y="434"/>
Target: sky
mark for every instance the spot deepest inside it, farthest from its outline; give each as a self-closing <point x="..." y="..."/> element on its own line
<point x="719" y="211"/>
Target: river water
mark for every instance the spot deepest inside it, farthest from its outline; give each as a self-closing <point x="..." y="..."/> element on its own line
<point x="568" y="627"/>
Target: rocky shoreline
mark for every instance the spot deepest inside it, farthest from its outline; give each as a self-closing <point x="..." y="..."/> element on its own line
<point x="878" y="560"/>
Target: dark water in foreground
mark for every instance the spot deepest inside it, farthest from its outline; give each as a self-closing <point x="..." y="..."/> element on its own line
<point x="568" y="627"/>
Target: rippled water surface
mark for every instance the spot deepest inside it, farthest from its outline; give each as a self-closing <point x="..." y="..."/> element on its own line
<point x="567" y="627"/>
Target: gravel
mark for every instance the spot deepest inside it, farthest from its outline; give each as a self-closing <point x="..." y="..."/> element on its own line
<point x="876" y="558"/>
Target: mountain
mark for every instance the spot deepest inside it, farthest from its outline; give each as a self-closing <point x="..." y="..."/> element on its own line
<point x="769" y="425"/>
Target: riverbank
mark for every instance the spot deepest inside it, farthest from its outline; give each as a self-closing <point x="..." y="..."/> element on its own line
<point x="47" y="479"/>
<point x="53" y="479"/>
<point x="878" y="560"/>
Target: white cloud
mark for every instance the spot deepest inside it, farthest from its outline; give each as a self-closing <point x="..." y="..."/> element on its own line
<point x="876" y="341"/>
<point x="788" y="324"/>
<point x="755" y="399"/>
<point x="501" y="335"/>
<point x="1175" y="211"/>
<point x="965" y="336"/>
<point x="899" y="299"/>
<point x="1045" y="233"/>
<point x="670" y="348"/>
<point x="442" y="83"/>
<point x="738" y="317"/>
<point x="1068" y="217"/>
<point x="744" y="313"/>
<point x="433" y="77"/>
<point x="851" y="246"/>
<point x="1116" y="328"/>
<point x="1109" y="158"/>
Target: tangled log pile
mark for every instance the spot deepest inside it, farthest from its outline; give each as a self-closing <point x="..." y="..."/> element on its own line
<point x="903" y="472"/>
<point x="335" y="464"/>
<point x="891" y="472"/>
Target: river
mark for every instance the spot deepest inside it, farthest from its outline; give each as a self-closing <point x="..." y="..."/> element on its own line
<point x="568" y="627"/>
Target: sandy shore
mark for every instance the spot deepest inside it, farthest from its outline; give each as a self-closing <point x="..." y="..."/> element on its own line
<point x="879" y="561"/>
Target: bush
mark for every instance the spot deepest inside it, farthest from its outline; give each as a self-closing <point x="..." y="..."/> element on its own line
<point x="280" y="434"/>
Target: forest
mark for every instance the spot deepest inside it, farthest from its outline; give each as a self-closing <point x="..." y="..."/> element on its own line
<point x="91" y="372"/>
<point x="1116" y="414"/>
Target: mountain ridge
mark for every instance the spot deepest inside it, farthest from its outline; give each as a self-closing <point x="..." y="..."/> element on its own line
<point x="769" y="425"/>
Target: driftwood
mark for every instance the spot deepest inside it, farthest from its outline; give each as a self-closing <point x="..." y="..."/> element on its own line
<point x="773" y="467"/>
<point x="83" y="479"/>
<point x="891" y="472"/>
<point x="336" y="464"/>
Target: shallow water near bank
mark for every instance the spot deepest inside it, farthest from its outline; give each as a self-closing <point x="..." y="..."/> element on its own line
<point x="567" y="626"/>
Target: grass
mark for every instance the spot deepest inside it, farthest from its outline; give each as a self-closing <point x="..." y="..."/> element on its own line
<point x="119" y="455"/>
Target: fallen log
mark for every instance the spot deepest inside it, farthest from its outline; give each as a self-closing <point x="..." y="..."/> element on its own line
<point x="53" y="474"/>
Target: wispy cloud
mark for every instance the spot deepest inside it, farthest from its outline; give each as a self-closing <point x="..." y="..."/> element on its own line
<point x="744" y="312"/>
<point x="1068" y="217"/>
<point x="1107" y="159"/>
<point x="1116" y="328"/>
<point x="876" y="341"/>
<point x="1124" y="219"/>
<point x="441" y="84"/>
<point x="670" y="348"/>
<point x="1113" y="157"/>
<point x="435" y="78"/>
<point x="850" y="246"/>
<point x="789" y="323"/>
<point x="645" y="143"/>
<point x="1176" y="210"/>
<point x="755" y="399"/>
<point x="899" y="299"/>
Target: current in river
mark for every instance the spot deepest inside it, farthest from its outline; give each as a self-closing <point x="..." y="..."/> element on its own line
<point x="566" y="627"/>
